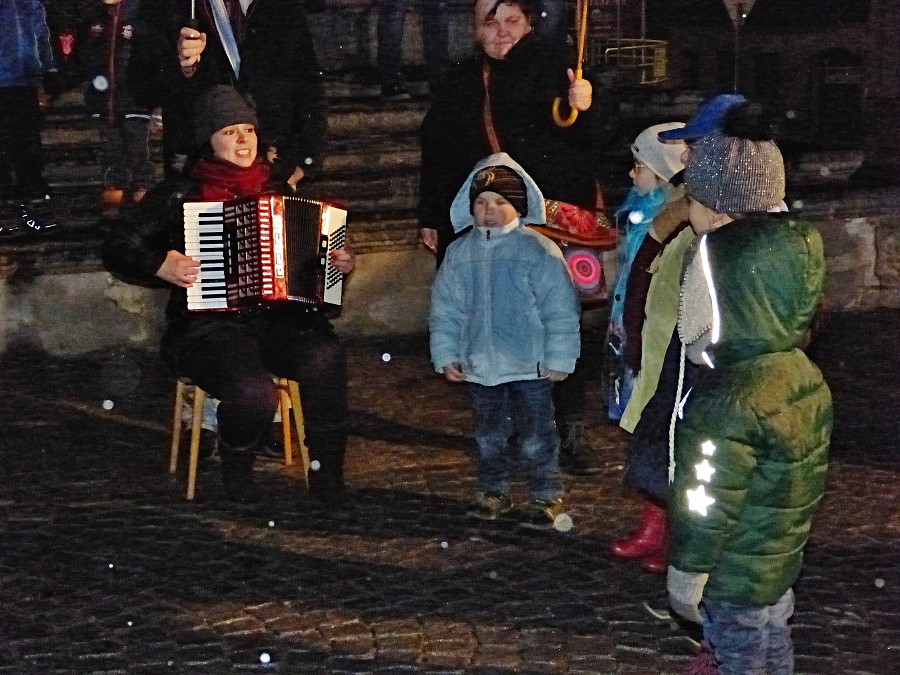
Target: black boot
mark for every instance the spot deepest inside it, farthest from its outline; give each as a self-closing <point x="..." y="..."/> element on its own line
<point x="326" y="470"/>
<point x="237" y="474"/>
<point x="576" y="457"/>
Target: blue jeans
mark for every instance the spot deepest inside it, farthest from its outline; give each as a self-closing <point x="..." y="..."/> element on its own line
<point x="525" y="406"/>
<point x="751" y="639"/>
<point x="435" y="40"/>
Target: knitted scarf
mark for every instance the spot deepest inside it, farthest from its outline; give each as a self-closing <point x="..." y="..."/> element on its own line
<point x="639" y="211"/>
<point x="220" y="180"/>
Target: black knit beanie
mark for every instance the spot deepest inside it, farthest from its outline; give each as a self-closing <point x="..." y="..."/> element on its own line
<point x="218" y="107"/>
<point x="502" y="180"/>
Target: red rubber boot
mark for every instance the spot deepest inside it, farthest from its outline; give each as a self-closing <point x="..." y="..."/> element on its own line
<point x="649" y="537"/>
<point x="658" y="561"/>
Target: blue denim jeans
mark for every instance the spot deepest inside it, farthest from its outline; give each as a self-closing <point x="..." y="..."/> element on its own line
<point x="435" y="39"/>
<point x="525" y="406"/>
<point x="751" y="639"/>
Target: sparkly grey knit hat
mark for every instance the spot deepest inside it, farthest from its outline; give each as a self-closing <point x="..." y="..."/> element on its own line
<point x="735" y="175"/>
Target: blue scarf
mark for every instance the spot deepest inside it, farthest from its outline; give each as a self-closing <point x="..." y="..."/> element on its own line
<point x="638" y="212"/>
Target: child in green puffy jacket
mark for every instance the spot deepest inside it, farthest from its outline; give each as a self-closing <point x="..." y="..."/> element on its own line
<point x="752" y="434"/>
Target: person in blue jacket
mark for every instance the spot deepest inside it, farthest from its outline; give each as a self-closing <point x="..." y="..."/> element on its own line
<point x="505" y="319"/>
<point x="26" y="61"/>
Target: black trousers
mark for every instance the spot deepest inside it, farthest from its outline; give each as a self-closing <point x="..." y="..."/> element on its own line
<point x="21" y="158"/>
<point x="234" y="361"/>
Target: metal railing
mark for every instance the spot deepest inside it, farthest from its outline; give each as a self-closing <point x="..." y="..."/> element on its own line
<point x="647" y="60"/>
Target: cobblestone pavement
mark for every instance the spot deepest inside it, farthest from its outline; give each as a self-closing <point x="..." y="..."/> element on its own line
<point x="104" y="568"/>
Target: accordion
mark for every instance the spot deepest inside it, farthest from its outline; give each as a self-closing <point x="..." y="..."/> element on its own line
<point x="263" y="249"/>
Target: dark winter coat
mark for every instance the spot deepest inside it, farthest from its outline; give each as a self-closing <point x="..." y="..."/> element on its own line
<point x="279" y="72"/>
<point x="522" y="88"/>
<point x="25" y="53"/>
<point x="104" y="51"/>
<point x="761" y="418"/>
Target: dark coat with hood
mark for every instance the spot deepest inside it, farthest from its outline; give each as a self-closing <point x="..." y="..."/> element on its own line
<point x="522" y="88"/>
<point x="760" y="419"/>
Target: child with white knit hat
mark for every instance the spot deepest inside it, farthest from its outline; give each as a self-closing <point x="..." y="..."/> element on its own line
<point x="656" y="163"/>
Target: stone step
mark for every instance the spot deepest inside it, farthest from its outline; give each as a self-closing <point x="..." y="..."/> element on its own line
<point x="371" y="165"/>
<point x="75" y="164"/>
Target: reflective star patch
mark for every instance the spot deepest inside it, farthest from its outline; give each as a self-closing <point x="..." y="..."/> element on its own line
<point x="698" y="500"/>
<point x="708" y="448"/>
<point x="704" y="470"/>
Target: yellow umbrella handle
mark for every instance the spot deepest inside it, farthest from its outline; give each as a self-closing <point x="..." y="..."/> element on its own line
<point x="582" y="10"/>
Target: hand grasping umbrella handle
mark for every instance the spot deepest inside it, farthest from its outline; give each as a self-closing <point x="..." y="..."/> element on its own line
<point x="582" y="13"/>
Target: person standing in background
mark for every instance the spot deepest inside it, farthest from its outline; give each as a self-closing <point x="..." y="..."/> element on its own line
<point x="26" y="67"/>
<point x="108" y="33"/>
<point x="435" y="44"/>
<point x="266" y="51"/>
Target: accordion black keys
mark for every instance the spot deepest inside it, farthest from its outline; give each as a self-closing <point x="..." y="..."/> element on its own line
<point x="263" y="249"/>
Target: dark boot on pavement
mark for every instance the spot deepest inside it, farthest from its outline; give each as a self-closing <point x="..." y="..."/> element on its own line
<point x="326" y="471"/>
<point x="649" y="538"/>
<point x="237" y="474"/>
<point x="576" y="456"/>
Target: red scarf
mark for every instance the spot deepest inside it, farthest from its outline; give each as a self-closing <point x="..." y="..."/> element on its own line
<point x="220" y="180"/>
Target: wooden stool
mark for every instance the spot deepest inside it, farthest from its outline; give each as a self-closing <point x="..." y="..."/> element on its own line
<point x="288" y="401"/>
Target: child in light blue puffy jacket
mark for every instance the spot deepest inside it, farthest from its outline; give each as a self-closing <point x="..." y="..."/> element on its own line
<point x="505" y="320"/>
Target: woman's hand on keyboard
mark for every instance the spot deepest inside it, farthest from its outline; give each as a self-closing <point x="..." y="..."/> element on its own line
<point x="179" y="269"/>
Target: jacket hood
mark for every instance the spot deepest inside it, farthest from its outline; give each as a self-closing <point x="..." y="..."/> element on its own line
<point x="460" y="211"/>
<point x="764" y="276"/>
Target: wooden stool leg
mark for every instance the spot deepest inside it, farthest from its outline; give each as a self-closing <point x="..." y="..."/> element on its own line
<point x="176" y="426"/>
<point x="284" y="403"/>
<point x="196" y="425"/>
<point x="297" y="410"/>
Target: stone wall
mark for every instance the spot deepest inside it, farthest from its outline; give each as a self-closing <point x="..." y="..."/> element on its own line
<point x="69" y="312"/>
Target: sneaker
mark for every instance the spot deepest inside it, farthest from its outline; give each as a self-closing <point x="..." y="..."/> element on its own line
<point x="541" y="514"/>
<point x="489" y="506"/>
<point x="37" y="215"/>
<point x="395" y="91"/>
<point x="209" y="444"/>
<point x="271" y="445"/>
<point x="576" y="457"/>
<point x="704" y="663"/>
